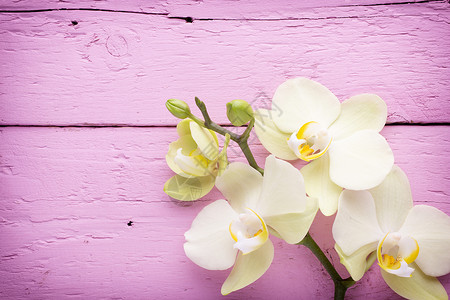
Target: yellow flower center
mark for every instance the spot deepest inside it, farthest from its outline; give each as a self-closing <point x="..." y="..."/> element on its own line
<point x="249" y="231"/>
<point x="311" y="141"/>
<point x="395" y="252"/>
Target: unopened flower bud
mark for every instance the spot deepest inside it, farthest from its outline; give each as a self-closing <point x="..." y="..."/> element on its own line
<point x="178" y="108"/>
<point x="239" y="112"/>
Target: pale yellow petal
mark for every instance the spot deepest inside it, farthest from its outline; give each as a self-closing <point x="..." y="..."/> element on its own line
<point x="206" y="141"/>
<point x="187" y="144"/>
<point x="274" y="140"/>
<point x="188" y="188"/>
<point x="356" y="222"/>
<point x="356" y="263"/>
<point x="222" y="160"/>
<point x="292" y="227"/>
<point x="430" y="227"/>
<point x="319" y="185"/>
<point x="283" y="189"/>
<point x="241" y="185"/>
<point x="365" y="111"/>
<point x="417" y="287"/>
<point x="393" y="200"/>
<point x="301" y="100"/>
<point x="361" y="161"/>
<point x="208" y="241"/>
<point x="248" y="268"/>
<point x="184" y="128"/>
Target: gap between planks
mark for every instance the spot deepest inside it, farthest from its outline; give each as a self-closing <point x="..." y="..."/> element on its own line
<point x="191" y="19"/>
<point x="173" y="126"/>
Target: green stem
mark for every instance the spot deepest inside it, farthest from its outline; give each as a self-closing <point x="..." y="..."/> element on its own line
<point x="247" y="131"/>
<point x="340" y="285"/>
<point x="243" y="144"/>
<point x="241" y="140"/>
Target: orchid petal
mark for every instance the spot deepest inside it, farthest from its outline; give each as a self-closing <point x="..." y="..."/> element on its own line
<point x="430" y="227"/>
<point x="206" y="141"/>
<point x="283" y="189"/>
<point x="301" y="100"/>
<point x="241" y="185"/>
<point x="187" y="145"/>
<point x="248" y="268"/>
<point x="319" y="185"/>
<point x="393" y="200"/>
<point x="417" y="287"/>
<point x="356" y="222"/>
<point x="273" y="139"/>
<point x="208" y="241"/>
<point x="188" y="188"/>
<point x="184" y="127"/>
<point x="356" y="263"/>
<point x="222" y="160"/>
<point x="365" y="111"/>
<point x="361" y="161"/>
<point x="292" y="227"/>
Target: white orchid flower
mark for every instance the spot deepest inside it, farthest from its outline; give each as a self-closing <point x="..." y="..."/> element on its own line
<point x="412" y="243"/>
<point x="341" y="139"/>
<point x="196" y="160"/>
<point x="237" y="232"/>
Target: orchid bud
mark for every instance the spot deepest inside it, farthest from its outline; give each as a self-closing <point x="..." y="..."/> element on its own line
<point x="178" y="108"/>
<point x="239" y="112"/>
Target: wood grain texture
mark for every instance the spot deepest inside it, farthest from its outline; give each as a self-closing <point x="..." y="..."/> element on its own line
<point x="68" y="194"/>
<point x="194" y="8"/>
<point x="112" y="67"/>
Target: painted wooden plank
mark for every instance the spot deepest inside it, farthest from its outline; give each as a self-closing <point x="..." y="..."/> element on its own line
<point x="67" y="195"/>
<point x="138" y="6"/>
<point x="210" y="9"/>
<point x="111" y="68"/>
<point x="291" y="9"/>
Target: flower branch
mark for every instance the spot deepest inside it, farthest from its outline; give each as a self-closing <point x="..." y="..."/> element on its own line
<point x="241" y="140"/>
<point x="340" y="285"/>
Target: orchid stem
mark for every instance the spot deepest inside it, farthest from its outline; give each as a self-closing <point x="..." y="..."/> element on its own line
<point x="340" y="285"/>
<point x="241" y="140"/>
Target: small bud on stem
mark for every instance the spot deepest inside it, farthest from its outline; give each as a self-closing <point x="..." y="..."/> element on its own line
<point x="239" y="112"/>
<point x="178" y="108"/>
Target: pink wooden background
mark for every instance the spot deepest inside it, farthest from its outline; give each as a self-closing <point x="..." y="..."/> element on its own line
<point x="84" y="130"/>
